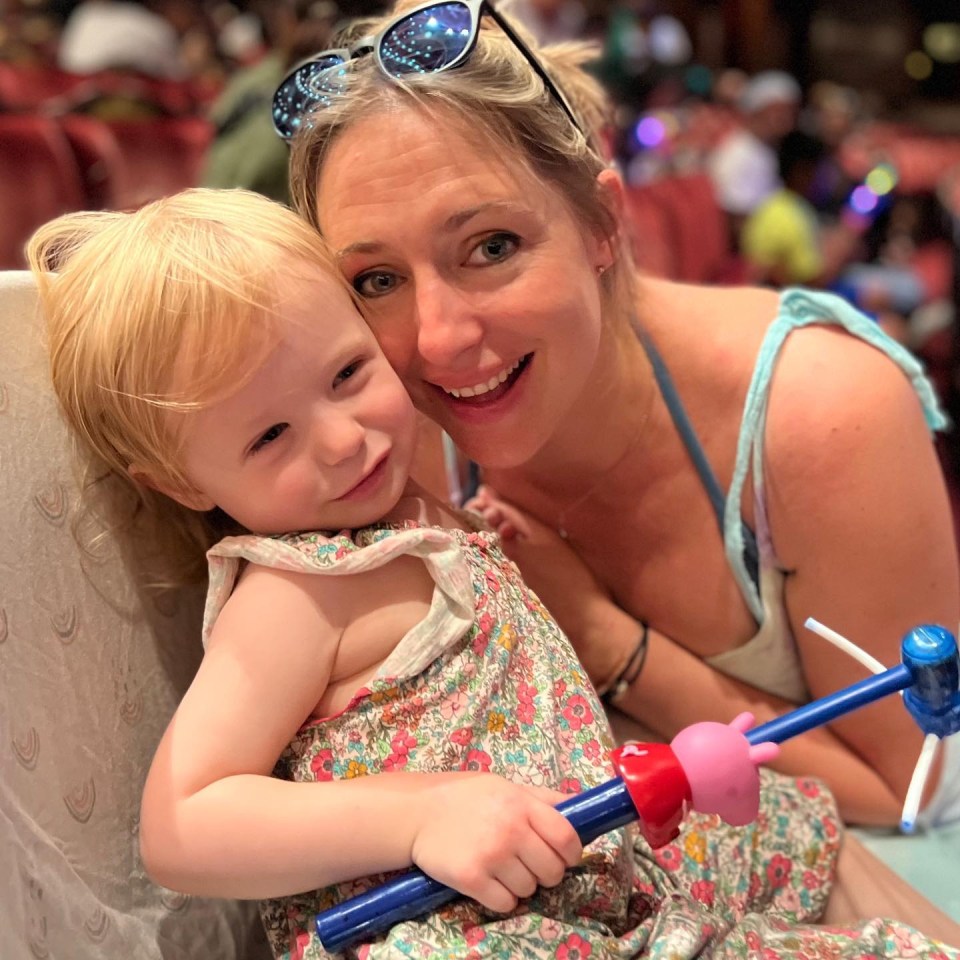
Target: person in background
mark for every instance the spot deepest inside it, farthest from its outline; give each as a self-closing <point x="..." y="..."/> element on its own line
<point x="782" y="239"/>
<point x="123" y="35"/>
<point x="744" y="166"/>
<point x="244" y="152"/>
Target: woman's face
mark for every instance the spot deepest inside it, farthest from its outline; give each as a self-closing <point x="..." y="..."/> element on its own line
<point x="476" y="278"/>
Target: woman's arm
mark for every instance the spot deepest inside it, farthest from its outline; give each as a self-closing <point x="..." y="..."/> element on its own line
<point x="214" y="822"/>
<point x="677" y="688"/>
<point x="860" y="518"/>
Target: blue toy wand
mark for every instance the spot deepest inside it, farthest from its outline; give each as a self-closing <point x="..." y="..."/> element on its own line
<point x="652" y="787"/>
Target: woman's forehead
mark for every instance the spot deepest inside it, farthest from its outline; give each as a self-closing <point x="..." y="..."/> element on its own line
<point x="409" y="160"/>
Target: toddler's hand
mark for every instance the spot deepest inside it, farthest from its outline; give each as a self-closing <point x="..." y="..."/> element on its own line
<point x="501" y="515"/>
<point x="493" y="840"/>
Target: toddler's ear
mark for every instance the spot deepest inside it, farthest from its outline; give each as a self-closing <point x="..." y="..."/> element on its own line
<point x="187" y="497"/>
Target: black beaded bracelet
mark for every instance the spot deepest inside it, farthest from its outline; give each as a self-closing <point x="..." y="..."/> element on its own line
<point x="625" y="679"/>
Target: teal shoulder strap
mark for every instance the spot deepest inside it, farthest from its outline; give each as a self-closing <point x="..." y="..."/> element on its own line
<point x="799" y="308"/>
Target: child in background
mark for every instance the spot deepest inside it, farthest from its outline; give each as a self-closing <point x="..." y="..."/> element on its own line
<point x="207" y="358"/>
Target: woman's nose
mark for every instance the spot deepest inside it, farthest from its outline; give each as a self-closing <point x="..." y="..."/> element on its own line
<point x="447" y="327"/>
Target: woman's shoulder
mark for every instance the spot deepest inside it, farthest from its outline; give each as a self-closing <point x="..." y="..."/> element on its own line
<point x="698" y="319"/>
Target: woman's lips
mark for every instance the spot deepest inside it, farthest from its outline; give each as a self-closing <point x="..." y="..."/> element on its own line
<point x="489" y="398"/>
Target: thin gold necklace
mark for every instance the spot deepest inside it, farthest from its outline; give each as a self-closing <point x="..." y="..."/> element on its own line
<point x="560" y="523"/>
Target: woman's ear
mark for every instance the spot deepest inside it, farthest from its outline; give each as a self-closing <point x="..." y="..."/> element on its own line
<point x="613" y="192"/>
<point x="613" y="197"/>
<point x="189" y="498"/>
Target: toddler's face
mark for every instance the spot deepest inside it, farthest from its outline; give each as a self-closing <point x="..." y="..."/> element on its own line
<point x="321" y="437"/>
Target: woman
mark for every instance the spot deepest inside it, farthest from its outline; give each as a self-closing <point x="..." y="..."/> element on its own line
<point x="483" y="233"/>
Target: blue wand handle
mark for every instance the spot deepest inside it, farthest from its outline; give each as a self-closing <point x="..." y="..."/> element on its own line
<point x="929" y="675"/>
<point x="592" y="813"/>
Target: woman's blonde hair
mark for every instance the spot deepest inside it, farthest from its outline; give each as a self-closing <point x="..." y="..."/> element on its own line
<point x="496" y="98"/>
<point x="154" y="313"/>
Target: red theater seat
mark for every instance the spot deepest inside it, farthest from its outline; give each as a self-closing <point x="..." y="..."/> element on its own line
<point x="38" y="181"/>
<point x="161" y="156"/>
<point x="99" y="161"/>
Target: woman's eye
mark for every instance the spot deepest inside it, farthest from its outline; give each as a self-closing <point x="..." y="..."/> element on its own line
<point x="268" y="437"/>
<point x="346" y="373"/>
<point x="374" y="284"/>
<point x="494" y="249"/>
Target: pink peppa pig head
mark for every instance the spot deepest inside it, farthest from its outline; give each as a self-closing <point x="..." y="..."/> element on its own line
<point x="721" y="767"/>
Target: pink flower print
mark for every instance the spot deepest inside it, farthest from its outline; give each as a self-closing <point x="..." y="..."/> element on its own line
<point x="511" y="732"/>
<point x="550" y="929"/>
<point x="492" y="582"/>
<point x="829" y="827"/>
<point x="480" y="643"/>
<point x="478" y="760"/>
<point x="396" y="761"/>
<point x="559" y="689"/>
<point x="570" y="785"/>
<point x="752" y="939"/>
<point x="778" y="871"/>
<point x="453" y="705"/>
<point x="321" y="765"/>
<point x="526" y="692"/>
<point x="526" y="713"/>
<point x="809" y="788"/>
<point x="669" y="857"/>
<point x="402" y="742"/>
<point x="473" y="935"/>
<point x="592" y="749"/>
<point x="300" y="944"/>
<point x="754" y="887"/>
<point x="574" y="948"/>
<point x="462" y="737"/>
<point x="811" y="880"/>
<point x="703" y="890"/>
<point x="577" y="712"/>
<point x="908" y="942"/>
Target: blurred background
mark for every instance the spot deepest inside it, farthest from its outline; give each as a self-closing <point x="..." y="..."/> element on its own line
<point x="764" y="141"/>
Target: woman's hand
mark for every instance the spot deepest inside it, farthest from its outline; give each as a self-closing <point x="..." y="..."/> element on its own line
<point x="493" y="840"/>
<point x="601" y="633"/>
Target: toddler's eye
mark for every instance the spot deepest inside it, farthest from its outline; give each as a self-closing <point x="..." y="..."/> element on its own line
<point x="494" y="249"/>
<point x="268" y="437"/>
<point x="374" y="284"/>
<point x="347" y="372"/>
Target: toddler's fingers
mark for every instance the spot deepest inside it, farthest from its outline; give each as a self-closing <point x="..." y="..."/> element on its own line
<point x="517" y="877"/>
<point x="542" y="861"/>
<point x="554" y="828"/>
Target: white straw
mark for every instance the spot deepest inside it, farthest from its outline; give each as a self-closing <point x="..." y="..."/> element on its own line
<point x="847" y="646"/>
<point x="911" y="806"/>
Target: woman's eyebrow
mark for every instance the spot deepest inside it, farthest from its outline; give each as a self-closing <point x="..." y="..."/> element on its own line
<point x="453" y="223"/>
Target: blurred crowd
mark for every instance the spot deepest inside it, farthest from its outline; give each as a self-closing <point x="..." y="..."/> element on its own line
<point x="794" y="184"/>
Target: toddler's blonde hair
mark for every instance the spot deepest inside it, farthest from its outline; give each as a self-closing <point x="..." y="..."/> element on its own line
<point x="153" y="313"/>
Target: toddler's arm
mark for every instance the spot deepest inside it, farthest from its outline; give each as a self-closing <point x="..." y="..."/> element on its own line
<point x="214" y="822"/>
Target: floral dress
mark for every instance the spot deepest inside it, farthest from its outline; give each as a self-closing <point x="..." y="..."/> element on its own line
<point x="487" y="681"/>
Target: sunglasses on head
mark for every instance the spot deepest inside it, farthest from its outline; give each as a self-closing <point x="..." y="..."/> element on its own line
<point x="431" y="38"/>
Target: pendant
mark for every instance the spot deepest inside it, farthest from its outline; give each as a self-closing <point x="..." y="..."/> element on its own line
<point x="563" y="533"/>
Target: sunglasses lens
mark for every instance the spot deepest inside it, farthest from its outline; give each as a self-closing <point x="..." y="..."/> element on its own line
<point x="428" y="40"/>
<point x="313" y="83"/>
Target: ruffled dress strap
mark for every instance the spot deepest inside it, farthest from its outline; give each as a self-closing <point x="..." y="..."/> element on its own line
<point x="798" y="308"/>
<point x="451" y="612"/>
